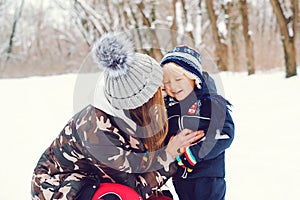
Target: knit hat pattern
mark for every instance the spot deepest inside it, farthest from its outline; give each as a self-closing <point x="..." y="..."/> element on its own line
<point x="131" y="79"/>
<point x="187" y="58"/>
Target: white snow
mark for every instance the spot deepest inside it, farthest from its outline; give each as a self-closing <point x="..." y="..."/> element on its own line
<point x="262" y="163"/>
<point x="222" y="28"/>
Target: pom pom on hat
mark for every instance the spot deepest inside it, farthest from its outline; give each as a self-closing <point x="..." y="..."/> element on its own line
<point x="131" y="79"/>
<point x="114" y="52"/>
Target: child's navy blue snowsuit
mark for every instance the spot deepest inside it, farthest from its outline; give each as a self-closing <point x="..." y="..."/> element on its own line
<point x="201" y="170"/>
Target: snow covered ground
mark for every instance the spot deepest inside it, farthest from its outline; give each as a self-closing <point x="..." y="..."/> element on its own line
<point x="262" y="163"/>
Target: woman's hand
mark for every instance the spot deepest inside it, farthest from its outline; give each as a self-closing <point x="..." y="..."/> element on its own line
<point x="183" y="139"/>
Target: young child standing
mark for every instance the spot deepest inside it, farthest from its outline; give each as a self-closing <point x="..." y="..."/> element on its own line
<point x="192" y="102"/>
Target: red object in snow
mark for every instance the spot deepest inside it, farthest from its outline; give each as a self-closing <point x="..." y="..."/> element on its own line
<point x="118" y="191"/>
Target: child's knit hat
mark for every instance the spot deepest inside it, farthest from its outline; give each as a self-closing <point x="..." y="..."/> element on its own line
<point x="131" y="79"/>
<point x="188" y="59"/>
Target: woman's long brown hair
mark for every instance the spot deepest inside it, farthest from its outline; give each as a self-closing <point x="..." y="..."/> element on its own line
<point x="152" y="117"/>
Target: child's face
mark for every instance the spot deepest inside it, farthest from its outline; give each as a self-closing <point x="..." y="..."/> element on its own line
<point x="176" y="83"/>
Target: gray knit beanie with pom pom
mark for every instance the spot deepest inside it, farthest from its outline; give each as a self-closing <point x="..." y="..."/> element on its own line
<point x="131" y="79"/>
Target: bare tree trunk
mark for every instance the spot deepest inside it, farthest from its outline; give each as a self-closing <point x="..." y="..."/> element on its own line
<point x="106" y="3"/>
<point x="247" y="37"/>
<point x="233" y="57"/>
<point x="198" y="32"/>
<point x="174" y="25"/>
<point x="155" y="49"/>
<point x="221" y="51"/>
<point x="263" y="26"/>
<point x="14" y="27"/>
<point x="123" y="16"/>
<point x="296" y="23"/>
<point x="137" y="29"/>
<point x="186" y="21"/>
<point x="288" y="35"/>
<point x="235" y="46"/>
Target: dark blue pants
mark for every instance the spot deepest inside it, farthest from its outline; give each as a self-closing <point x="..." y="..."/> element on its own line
<point x="200" y="188"/>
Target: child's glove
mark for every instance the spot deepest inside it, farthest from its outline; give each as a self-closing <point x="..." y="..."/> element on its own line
<point x="187" y="159"/>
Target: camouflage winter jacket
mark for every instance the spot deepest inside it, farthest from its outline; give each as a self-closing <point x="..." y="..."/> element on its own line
<point x="96" y="147"/>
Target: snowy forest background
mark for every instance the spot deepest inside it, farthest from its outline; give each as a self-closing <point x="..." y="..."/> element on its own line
<point x="40" y="37"/>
